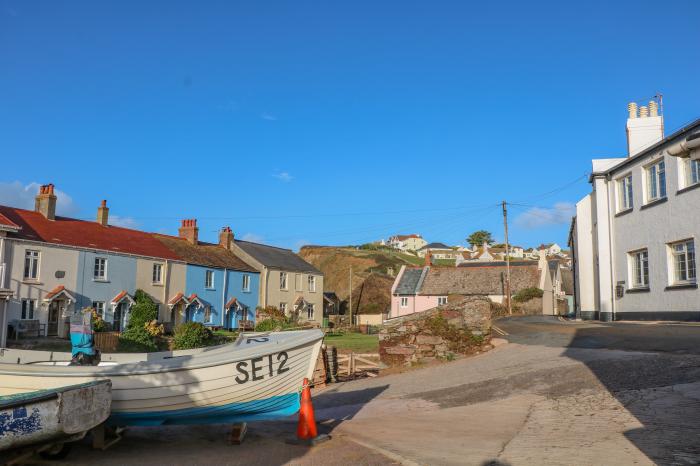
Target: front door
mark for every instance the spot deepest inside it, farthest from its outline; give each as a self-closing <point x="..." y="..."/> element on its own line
<point x="54" y="313"/>
<point x="118" y="318"/>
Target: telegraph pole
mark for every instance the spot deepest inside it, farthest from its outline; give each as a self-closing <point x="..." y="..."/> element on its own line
<point x="505" y="228"/>
<point x="350" y="300"/>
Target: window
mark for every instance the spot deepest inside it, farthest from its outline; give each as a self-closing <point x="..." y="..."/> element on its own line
<point x="310" y="312"/>
<point x="640" y="269"/>
<point x="100" y="272"/>
<point x="283" y="280"/>
<point x="404" y="302"/>
<point x="625" y="193"/>
<point x="99" y="307"/>
<point x="298" y="282"/>
<point x="692" y="172"/>
<point x="283" y="308"/>
<point x="312" y="283"/>
<point x="656" y="181"/>
<point x="683" y="262"/>
<point x="246" y="282"/>
<point x="158" y="273"/>
<point x="442" y="300"/>
<point x="28" y="306"/>
<point x="31" y="265"/>
<point x="209" y="279"/>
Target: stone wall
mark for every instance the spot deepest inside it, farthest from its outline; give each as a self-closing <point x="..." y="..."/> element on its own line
<point x="458" y="328"/>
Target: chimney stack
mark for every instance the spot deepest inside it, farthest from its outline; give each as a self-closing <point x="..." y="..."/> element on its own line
<point x="103" y="213"/>
<point x="45" y="201"/>
<point x="189" y="230"/>
<point x="226" y="237"/>
<point x="428" y="258"/>
<point x="645" y="126"/>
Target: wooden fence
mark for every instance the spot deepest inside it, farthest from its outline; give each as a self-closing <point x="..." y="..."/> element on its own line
<point x="351" y="364"/>
<point x="107" y="342"/>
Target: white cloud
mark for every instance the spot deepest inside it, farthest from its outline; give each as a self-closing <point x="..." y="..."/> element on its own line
<point x="124" y="222"/>
<point x="252" y="237"/>
<point x="538" y="217"/>
<point x="299" y="243"/>
<point x="268" y="116"/>
<point x="283" y="176"/>
<point x="16" y="194"/>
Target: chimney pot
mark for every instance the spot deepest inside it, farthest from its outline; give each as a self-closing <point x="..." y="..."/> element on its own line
<point x="632" y="109"/>
<point x="103" y="213"/>
<point x="189" y="231"/>
<point x="226" y="237"/>
<point x="653" y="109"/>
<point x="45" y="201"/>
<point x="643" y="111"/>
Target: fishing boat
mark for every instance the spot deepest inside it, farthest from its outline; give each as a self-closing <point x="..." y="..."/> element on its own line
<point x="257" y="377"/>
<point x="53" y="415"/>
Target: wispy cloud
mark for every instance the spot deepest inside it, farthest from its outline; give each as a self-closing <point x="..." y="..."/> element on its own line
<point x="283" y="176"/>
<point x="16" y="194"/>
<point x="268" y="116"/>
<point x="252" y="237"/>
<point x="299" y="243"/>
<point x="124" y="222"/>
<point x="538" y="217"/>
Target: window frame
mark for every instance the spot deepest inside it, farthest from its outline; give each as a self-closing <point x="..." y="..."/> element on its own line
<point x="283" y="308"/>
<point x="95" y="269"/>
<point x="209" y="279"/>
<point x="28" y="306"/>
<point x="157" y="266"/>
<point x="32" y="262"/>
<point x="311" y="283"/>
<point x="691" y="165"/>
<point x="638" y="259"/>
<point x="689" y="259"/>
<point x="284" y="281"/>
<point x="625" y="193"/>
<point x="245" y="283"/>
<point x="310" y="311"/>
<point x="403" y="302"/>
<point x="442" y="300"/>
<point x="658" y="176"/>
<point x="95" y="307"/>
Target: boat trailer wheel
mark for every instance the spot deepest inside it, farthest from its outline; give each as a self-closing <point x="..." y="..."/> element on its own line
<point x="57" y="451"/>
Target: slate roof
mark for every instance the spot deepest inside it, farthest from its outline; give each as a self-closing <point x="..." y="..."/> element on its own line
<point x="410" y="280"/>
<point x="486" y="279"/>
<point x="277" y="258"/>
<point x="205" y="254"/>
<point x="85" y="234"/>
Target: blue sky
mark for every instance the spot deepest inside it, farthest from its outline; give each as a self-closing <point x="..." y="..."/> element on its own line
<point x="332" y="122"/>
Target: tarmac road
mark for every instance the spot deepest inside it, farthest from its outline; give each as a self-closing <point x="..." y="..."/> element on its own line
<point x="559" y="393"/>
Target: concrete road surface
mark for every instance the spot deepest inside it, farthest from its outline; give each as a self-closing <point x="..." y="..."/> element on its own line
<point x="560" y="393"/>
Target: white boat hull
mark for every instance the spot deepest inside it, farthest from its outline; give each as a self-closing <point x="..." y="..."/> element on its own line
<point x="53" y="415"/>
<point x="258" y="377"/>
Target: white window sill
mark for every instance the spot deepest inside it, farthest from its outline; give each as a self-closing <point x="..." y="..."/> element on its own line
<point x="31" y="281"/>
<point x="156" y="284"/>
<point x="245" y="291"/>
<point x="100" y="280"/>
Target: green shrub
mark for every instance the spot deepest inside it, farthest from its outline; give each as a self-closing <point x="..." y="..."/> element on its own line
<point x="143" y="311"/>
<point x="136" y="340"/>
<point x="192" y="335"/>
<point x="272" y="325"/>
<point x="526" y="294"/>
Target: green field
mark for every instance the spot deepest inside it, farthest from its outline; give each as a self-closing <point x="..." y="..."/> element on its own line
<point x="356" y="342"/>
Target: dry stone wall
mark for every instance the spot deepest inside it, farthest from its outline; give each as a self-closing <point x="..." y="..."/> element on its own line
<point x="460" y="328"/>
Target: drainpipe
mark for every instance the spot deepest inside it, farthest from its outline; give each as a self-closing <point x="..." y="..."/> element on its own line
<point x="3" y="270"/>
<point x="612" y="251"/>
<point x="223" y="299"/>
<point x="166" y="287"/>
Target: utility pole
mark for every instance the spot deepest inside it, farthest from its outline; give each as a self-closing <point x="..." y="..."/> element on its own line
<point x="350" y="300"/>
<point x="505" y="228"/>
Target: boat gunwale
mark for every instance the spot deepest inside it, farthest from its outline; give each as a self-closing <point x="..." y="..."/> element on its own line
<point x="301" y="338"/>
<point x="11" y="401"/>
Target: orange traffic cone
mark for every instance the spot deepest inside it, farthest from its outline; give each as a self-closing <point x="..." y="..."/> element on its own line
<point x="306" y="428"/>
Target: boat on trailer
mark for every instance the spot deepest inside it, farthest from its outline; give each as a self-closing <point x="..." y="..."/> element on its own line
<point x="257" y="377"/>
<point x="53" y="416"/>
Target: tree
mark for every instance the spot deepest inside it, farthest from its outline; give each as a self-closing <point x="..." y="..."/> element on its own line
<point x="478" y="237"/>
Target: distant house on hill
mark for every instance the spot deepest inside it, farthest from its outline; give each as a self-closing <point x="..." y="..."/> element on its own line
<point x="407" y="242"/>
<point x="438" y="251"/>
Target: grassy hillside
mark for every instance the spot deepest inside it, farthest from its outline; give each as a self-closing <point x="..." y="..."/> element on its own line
<point x="335" y="263"/>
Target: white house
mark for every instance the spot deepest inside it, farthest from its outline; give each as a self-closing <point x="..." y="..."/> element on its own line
<point x="407" y="242"/>
<point x="634" y="236"/>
